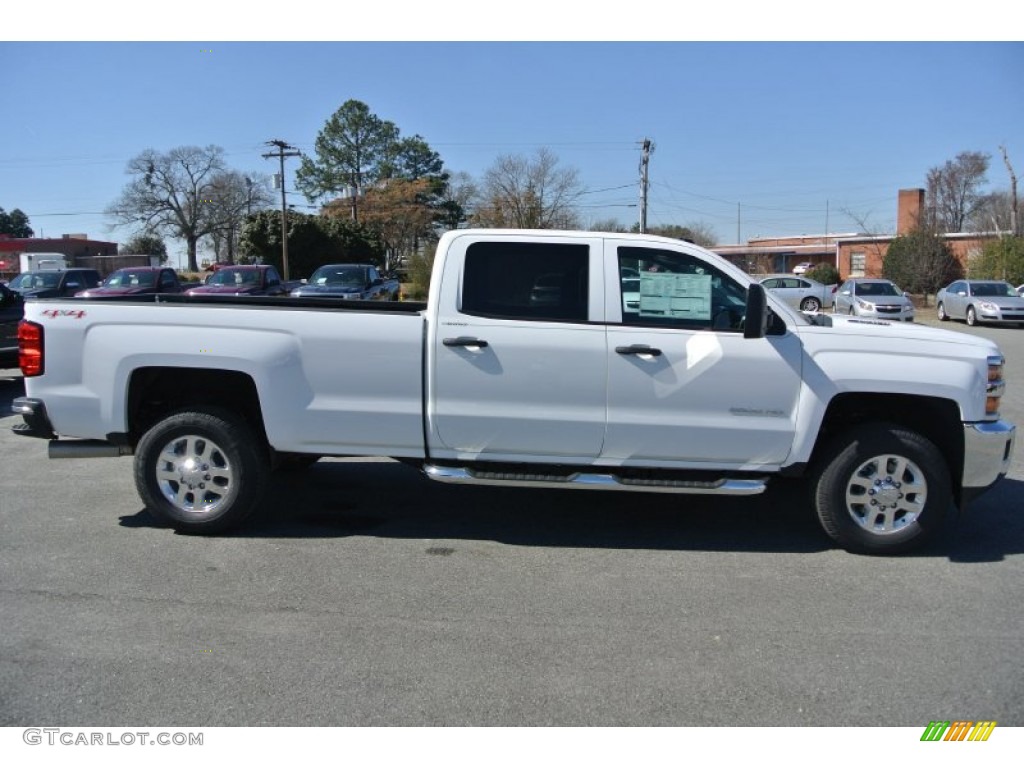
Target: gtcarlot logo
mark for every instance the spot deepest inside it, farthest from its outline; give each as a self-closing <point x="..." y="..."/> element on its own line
<point x="69" y="738"/>
<point x="958" y="730"/>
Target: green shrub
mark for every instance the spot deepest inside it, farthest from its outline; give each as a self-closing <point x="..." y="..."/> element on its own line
<point x="827" y="274"/>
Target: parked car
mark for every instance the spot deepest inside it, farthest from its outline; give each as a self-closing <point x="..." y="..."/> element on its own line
<point x="12" y="308"/>
<point x="801" y="292"/>
<point x="360" y="282"/>
<point x="802" y="267"/>
<point x="53" y="284"/>
<point x="980" y="301"/>
<point x="243" y="280"/>
<point x="136" y="281"/>
<point x="873" y="297"/>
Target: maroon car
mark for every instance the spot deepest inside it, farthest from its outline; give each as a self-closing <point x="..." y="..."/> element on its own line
<point x="136" y="281"/>
<point x="243" y="279"/>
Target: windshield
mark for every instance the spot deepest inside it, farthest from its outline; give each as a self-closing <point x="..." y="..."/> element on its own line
<point x="35" y="280"/>
<point x="235" y="277"/>
<point x="129" y="279"/>
<point x="19" y="282"/>
<point x="877" y="289"/>
<point x="1003" y="290"/>
<point x="338" y="276"/>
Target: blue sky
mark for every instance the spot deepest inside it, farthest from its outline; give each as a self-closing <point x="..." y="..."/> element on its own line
<point x="759" y="138"/>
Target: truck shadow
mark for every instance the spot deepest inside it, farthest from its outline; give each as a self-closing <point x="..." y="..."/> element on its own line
<point x="389" y="500"/>
<point x="12" y="385"/>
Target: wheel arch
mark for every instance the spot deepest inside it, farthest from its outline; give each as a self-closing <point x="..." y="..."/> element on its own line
<point x="157" y="391"/>
<point x="934" y="418"/>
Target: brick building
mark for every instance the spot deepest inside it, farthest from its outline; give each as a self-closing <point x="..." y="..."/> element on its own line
<point x="854" y="255"/>
<point x="78" y="249"/>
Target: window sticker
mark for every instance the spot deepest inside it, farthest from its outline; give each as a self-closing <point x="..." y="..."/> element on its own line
<point x="685" y="297"/>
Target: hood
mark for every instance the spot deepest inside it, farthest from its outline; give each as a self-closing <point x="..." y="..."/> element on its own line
<point x="878" y="332"/>
<point x="333" y="289"/>
<point x="101" y="291"/>
<point x="229" y="290"/>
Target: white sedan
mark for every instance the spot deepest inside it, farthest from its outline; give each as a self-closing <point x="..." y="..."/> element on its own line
<point x="800" y="292"/>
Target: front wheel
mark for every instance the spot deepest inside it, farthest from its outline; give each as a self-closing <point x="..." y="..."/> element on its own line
<point x="200" y="471"/>
<point x="972" y="317"/>
<point x="882" y="489"/>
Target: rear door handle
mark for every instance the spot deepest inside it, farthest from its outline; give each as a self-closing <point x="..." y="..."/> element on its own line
<point x="464" y="341"/>
<point x="639" y="349"/>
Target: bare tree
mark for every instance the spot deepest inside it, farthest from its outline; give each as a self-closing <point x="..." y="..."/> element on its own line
<point x="529" y="193"/>
<point x="234" y="196"/>
<point x="453" y="208"/>
<point x="953" y="192"/>
<point x="172" y="193"/>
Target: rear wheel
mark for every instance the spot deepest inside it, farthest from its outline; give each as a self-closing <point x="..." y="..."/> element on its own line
<point x="200" y="471"/>
<point x="882" y="489"/>
<point x="941" y="311"/>
<point x="810" y="304"/>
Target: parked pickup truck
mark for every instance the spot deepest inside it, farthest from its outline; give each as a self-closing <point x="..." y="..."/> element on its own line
<point x="244" y="280"/>
<point x="360" y="282"/>
<point x="533" y="364"/>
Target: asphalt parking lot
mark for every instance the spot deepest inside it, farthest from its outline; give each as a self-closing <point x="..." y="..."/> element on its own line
<point x="362" y="594"/>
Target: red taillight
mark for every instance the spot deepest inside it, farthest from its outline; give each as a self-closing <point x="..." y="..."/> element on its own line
<point x="30" y="348"/>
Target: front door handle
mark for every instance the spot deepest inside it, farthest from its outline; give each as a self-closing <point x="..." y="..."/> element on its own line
<point x="639" y="349"/>
<point x="464" y="341"/>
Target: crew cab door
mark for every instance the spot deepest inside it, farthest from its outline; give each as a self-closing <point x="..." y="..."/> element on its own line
<point x="517" y="365"/>
<point x="684" y="387"/>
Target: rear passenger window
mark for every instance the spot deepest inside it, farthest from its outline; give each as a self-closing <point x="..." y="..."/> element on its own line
<point x="529" y="281"/>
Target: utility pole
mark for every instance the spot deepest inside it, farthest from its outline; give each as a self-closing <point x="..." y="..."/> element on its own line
<point x="1014" y="223"/>
<point x="284" y="149"/>
<point x="645" y="159"/>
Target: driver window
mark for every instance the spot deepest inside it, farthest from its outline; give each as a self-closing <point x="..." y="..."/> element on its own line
<point x="673" y="289"/>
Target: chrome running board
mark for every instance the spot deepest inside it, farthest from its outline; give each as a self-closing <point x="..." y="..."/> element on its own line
<point x="725" y="486"/>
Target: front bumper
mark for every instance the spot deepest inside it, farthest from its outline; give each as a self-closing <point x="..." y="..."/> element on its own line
<point x="988" y="450"/>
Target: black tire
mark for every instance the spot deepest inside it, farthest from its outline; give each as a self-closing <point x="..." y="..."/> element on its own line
<point x="201" y="470"/>
<point x="972" y="317"/>
<point x="851" y="312"/>
<point x="810" y="304"/>
<point x="883" y="463"/>
<point x="941" y="312"/>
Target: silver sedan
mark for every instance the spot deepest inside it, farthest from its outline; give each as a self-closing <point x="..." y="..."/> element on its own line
<point x="800" y="292"/>
<point x="873" y="297"/>
<point x="980" y="301"/>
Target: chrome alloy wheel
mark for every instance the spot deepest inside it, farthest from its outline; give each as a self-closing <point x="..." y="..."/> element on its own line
<point x="886" y="494"/>
<point x="193" y="473"/>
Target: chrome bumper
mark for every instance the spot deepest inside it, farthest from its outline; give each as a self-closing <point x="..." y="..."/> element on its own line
<point x="988" y="449"/>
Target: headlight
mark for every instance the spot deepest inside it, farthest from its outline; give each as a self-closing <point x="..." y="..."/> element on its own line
<point x="988" y="306"/>
<point x="995" y="387"/>
<point x="865" y="304"/>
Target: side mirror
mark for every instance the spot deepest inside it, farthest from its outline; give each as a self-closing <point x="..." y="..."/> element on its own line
<point x="755" y="325"/>
<point x="844" y="293"/>
<point x="377" y="281"/>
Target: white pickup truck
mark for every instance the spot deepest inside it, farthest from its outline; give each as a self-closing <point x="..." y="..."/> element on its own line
<point x="542" y="359"/>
